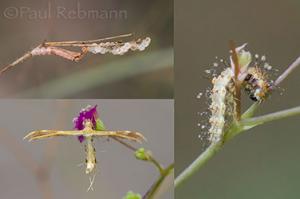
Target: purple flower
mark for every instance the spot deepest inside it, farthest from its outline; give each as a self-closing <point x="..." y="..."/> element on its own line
<point x="89" y="113"/>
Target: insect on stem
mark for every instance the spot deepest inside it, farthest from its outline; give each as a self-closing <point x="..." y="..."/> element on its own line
<point x="235" y="60"/>
<point x="97" y="46"/>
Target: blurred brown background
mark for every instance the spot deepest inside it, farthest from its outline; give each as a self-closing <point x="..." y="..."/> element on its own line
<point x="147" y="74"/>
<point x="263" y="162"/>
<point x="58" y="175"/>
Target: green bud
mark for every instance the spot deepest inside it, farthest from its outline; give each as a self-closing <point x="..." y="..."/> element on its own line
<point x="132" y="195"/>
<point x="100" y="125"/>
<point x="142" y="154"/>
<point x="245" y="59"/>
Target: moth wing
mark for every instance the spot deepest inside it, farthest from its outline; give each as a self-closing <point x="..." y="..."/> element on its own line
<point x="34" y="135"/>
<point x="129" y="135"/>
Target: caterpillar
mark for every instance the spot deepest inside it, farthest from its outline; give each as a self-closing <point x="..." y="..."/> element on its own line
<point x="222" y="104"/>
<point x="223" y="107"/>
<point x="253" y="79"/>
<point x="256" y="84"/>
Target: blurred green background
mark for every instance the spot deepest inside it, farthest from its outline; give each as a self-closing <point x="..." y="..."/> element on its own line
<point x="49" y="168"/>
<point x="263" y="162"/>
<point x="147" y="74"/>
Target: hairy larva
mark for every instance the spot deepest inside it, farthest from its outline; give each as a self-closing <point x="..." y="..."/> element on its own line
<point x="223" y="106"/>
<point x="222" y="103"/>
<point x="253" y="76"/>
<point x="256" y="84"/>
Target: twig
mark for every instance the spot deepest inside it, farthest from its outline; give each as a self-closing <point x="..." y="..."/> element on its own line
<point x="155" y="187"/>
<point x="287" y="71"/>
<point x="125" y="144"/>
<point x="163" y="172"/>
<point x="151" y="158"/>
<point x="156" y="164"/>
<point x="271" y="117"/>
<point x="250" y="111"/>
<point x="198" y="163"/>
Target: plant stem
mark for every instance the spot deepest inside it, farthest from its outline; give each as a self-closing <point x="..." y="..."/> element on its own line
<point x="211" y="150"/>
<point x="163" y="172"/>
<point x="155" y="187"/>
<point x="156" y="164"/>
<point x="198" y="163"/>
<point x="271" y="117"/>
<point x="283" y="76"/>
<point x="234" y="130"/>
<point x="125" y="144"/>
<point x="250" y="111"/>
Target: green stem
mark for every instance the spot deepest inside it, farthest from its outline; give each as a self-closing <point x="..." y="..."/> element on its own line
<point x="238" y="127"/>
<point x="156" y="164"/>
<point x="250" y="111"/>
<point x="211" y="150"/>
<point x="198" y="163"/>
<point x="271" y="117"/>
<point x="155" y="187"/>
<point x="235" y="129"/>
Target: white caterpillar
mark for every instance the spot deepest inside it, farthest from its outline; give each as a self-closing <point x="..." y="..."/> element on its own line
<point x="222" y="103"/>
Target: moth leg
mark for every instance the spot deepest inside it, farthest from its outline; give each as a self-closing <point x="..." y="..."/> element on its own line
<point x="92" y="180"/>
<point x="83" y="52"/>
